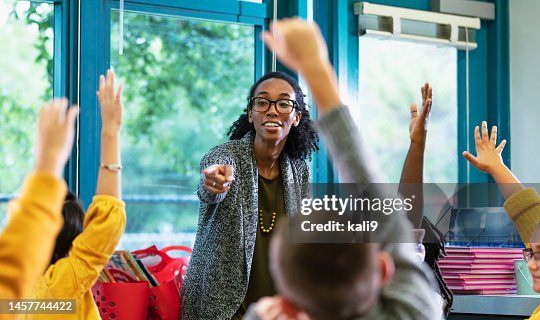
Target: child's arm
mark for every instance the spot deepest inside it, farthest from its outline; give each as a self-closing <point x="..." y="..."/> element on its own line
<point x="109" y="177"/>
<point x="28" y="239"/>
<point x="522" y="205"/>
<point x="413" y="168"/>
<point x="106" y="218"/>
<point x="301" y="47"/>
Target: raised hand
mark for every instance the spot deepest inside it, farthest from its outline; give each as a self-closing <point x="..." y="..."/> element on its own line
<point x="55" y="136"/>
<point x="298" y="45"/>
<point x="488" y="154"/>
<point x="419" y="121"/>
<point x="218" y="178"/>
<point x="110" y="103"/>
<point x="110" y="180"/>
<point x="412" y="174"/>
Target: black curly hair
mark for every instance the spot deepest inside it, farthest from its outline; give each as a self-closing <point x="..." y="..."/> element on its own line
<point x="302" y="139"/>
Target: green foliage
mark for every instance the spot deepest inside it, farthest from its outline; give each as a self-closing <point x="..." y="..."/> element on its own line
<point x="40" y="16"/>
<point x="185" y="81"/>
<point x="16" y="146"/>
<point x="25" y="81"/>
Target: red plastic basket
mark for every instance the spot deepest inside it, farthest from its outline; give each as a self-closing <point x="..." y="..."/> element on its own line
<point x="162" y="266"/>
<point x="122" y="301"/>
<point x="165" y="302"/>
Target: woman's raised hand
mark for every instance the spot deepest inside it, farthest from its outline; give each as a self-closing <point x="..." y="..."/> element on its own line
<point x="218" y="178"/>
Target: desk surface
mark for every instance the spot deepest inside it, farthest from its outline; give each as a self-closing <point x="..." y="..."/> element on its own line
<point x="496" y="305"/>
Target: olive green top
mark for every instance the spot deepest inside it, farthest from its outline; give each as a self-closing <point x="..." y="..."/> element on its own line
<point x="270" y="200"/>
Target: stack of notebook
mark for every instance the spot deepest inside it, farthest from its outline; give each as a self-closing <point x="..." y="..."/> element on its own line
<point x="126" y="267"/>
<point x="484" y="271"/>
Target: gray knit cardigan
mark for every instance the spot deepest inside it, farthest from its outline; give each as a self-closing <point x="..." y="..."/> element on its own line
<point x="218" y="273"/>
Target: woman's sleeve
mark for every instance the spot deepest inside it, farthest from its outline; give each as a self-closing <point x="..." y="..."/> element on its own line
<point x="523" y="208"/>
<point x="103" y="226"/>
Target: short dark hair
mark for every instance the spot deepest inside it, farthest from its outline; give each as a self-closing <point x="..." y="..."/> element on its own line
<point x="321" y="277"/>
<point x="302" y="139"/>
<point x="73" y="214"/>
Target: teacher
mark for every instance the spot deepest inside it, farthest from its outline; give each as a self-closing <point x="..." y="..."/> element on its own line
<point x="247" y="185"/>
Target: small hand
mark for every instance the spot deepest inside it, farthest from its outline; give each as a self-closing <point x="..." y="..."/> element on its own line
<point x="277" y="308"/>
<point x="488" y="156"/>
<point x="218" y="178"/>
<point x="55" y="136"/>
<point x="110" y="103"/>
<point x="299" y="45"/>
<point x="418" y="124"/>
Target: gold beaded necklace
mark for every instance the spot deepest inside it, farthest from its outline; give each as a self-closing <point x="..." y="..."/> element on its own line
<point x="274" y="215"/>
<point x="272" y="224"/>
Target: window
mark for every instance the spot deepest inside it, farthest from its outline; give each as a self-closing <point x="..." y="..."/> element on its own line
<point x="186" y="81"/>
<point x="26" y="60"/>
<point x="390" y="76"/>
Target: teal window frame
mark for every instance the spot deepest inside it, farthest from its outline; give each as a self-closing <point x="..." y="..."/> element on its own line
<point x="489" y="70"/>
<point x="489" y="66"/>
<point x="95" y="57"/>
<point x="64" y="64"/>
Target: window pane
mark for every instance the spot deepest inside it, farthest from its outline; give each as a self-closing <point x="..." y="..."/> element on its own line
<point x="186" y="81"/>
<point x="26" y="57"/>
<point x="391" y="74"/>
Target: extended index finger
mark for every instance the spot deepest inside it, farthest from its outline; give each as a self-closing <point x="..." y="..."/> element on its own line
<point x="228" y="172"/>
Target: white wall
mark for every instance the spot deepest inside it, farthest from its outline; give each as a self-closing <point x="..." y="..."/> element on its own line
<point x="525" y="89"/>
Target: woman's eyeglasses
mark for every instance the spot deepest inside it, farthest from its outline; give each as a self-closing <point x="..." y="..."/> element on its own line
<point x="283" y="106"/>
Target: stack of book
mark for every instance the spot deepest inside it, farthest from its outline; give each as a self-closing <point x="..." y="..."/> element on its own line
<point x="126" y="267"/>
<point x="484" y="271"/>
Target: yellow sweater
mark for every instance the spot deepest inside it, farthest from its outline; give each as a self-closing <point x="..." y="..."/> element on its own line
<point x="523" y="207"/>
<point x="73" y="276"/>
<point x="535" y="315"/>
<point x="27" y="241"/>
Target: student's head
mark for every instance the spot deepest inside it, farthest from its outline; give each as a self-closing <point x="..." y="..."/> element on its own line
<point x="73" y="225"/>
<point x="533" y="258"/>
<point x="329" y="280"/>
<point x="290" y="116"/>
